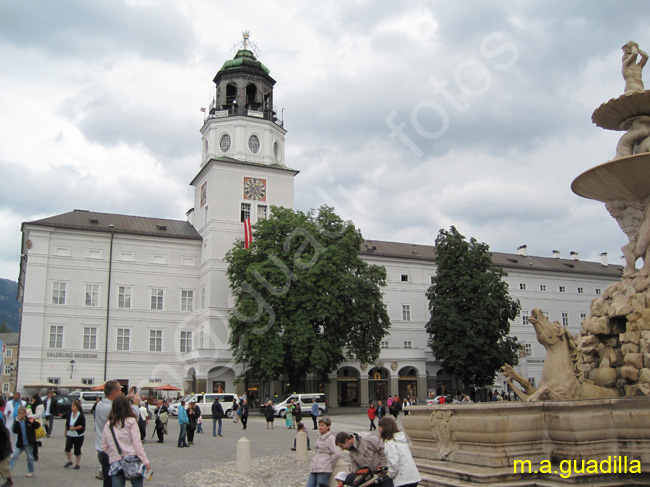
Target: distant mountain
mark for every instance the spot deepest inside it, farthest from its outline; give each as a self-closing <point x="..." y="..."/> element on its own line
<point x="9" y="305"/>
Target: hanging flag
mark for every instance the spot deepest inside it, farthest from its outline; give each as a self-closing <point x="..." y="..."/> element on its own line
<point x="248" y="233"/>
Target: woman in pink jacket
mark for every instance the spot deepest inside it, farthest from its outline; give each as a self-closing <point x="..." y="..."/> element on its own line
<point x="326" y="453"/>
<point x="125" y="425"/>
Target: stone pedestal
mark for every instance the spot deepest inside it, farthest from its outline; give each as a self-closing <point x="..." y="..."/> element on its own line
<point x="480" y="443"/>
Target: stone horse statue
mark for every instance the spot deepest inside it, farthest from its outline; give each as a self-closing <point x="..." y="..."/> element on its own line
<point x="562" y="376"/>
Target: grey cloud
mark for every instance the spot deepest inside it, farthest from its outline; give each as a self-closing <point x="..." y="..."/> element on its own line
<point x="93" y="29"/>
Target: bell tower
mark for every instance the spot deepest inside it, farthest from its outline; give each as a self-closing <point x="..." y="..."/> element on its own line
<point x="242" y="170"/>
<point x="242" y="121"/>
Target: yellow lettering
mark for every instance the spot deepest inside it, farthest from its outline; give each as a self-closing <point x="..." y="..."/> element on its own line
<point x="592" y="466"/>
<point x="582" y="466"/>
<point x="606" y="464"/>
<point x="523" y="464"/>
<point x="635" y="466"/>
<point x="565" y="469"/>
<point x="545" y="466"/>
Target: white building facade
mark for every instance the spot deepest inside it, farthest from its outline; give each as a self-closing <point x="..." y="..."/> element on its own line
<point x="142" y="299"/>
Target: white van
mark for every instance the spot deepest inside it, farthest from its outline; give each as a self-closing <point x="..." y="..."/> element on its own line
<point x="306" y="400"/>
<point x="205" y="403"/>
<point x="87" y="398"/>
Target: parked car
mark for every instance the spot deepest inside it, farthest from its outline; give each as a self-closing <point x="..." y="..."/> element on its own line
<point x="64" y="402"/>
<point x="205" y="401"/>
<point x="306" y="400"/>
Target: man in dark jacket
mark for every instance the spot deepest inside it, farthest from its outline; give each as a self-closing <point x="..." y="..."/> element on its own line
<point x="5" y="454"/>
<point x="49" y="412"/>
<point x="162" y="414"/>
<point x="217" y="416"/>
<point x="244" y="413"/>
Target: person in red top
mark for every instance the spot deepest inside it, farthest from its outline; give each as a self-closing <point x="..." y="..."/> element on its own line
<point x="441" y="400"/>
<point x="372" y="414"/>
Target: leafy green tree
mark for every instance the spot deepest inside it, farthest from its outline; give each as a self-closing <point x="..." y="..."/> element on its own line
<point x="304" y="300"/>
<point x="471" y="311"/>
<point x="4" y="327"/>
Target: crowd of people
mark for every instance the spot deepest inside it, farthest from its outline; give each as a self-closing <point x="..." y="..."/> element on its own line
<point x="121" y="421"/>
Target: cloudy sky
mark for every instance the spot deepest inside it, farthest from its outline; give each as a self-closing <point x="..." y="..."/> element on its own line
<point x="407" y="117"/>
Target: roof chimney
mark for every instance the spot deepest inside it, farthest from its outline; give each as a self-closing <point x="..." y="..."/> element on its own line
<point x="522" y="250"/>
<point x="556" y="254"/>
<point x="574" y="255"/>
<point x="603" y="259"/>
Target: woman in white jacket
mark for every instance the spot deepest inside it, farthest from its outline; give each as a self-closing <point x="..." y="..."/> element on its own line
<point x="401" y="467"/>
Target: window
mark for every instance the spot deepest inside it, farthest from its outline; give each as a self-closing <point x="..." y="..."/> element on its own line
<point x="203" y="297"/>
<point x="565" y="319"/>
<point x="433" y="279"/>
<point x="5" y="387"/>
<point x="276" y="151"/>
<point x="528" y="347"/>
<point x="157" y="296"/>
<point x="405" y="278"/>
<point x="580" y="290"/>
<point x="524" y="318"/>
<point x="201" y="339"/>
<point x="186" y="341"/>
<point x="58" y="292"/>
<point x="56" y="336"/>
<point x="90" y="338"/>
<point x="123" y="338"/>
<point x="224" y="143"/>
<point x="383" y="344"/>
<point x="245" y="211"/>
<point x="542" y="287"/>
<point x="159" y="259"/>
<point x="124" y="297"/>
<point x="522" y="286"/>
<point x="261" y="212"/>
<point x="187" y="300"/>
<point x="532" y="381"/>
<point x="406" y="312"/>
<point x="407" y="344"/>
<point x="92" y="294"/>
<point x="562" y="289"/>
<point x="545" y="313"/>
<point x="9" y="352"/>
<point x="155" y="340"/>
<point x="583" y="316"/>
<point x="7" y="370"/>
<point x="598" y="291"/>
<point x="254" y="144"/>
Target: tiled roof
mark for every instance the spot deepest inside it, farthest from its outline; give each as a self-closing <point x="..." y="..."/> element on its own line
<point x="10" y="339"/>
<point x="516" y="261"/>
<point x="122" y="224"/>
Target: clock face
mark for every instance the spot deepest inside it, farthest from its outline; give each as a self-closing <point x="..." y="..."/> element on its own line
<point x="255" y="189"/>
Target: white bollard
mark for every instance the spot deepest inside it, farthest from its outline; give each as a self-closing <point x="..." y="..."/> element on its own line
<point x="341" y="466"/>
<point x="243" y="455"/>
<point x="301" y="446"/>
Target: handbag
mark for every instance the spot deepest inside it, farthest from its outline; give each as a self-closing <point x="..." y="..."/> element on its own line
<point x="131" y="464"/>
<point x="40" y="432"/>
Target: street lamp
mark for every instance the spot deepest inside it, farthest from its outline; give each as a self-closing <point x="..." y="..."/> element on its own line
<point x="72" y="363"/>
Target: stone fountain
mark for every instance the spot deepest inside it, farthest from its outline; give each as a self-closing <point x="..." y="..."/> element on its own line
<point x="589" y="421"/>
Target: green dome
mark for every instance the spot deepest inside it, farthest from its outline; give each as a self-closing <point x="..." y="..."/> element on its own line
<point x="244" y="57"/>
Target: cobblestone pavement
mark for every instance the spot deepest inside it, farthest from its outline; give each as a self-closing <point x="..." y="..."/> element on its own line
<point x="209" y="463"/>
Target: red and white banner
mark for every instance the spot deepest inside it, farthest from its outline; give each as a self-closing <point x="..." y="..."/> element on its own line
<point x="248" y="233"/>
